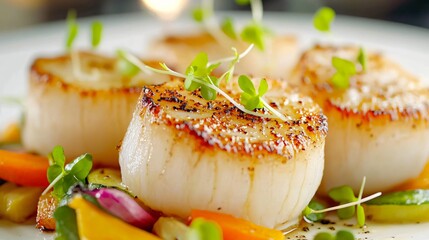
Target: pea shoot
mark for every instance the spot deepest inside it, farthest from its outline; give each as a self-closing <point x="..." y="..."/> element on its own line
<point x="227" y="27"/>
<point x="323" y="19"/>
<point x="362" y="58"/>
<point x="199" y="76"/>
<point x="313" y="217"/>
<point x="63" y="176"/>
<point x="72" y="29"/>
<point x="345" y="196"/>
<point x="344" y="70"/>
<point x="96" y="30"/>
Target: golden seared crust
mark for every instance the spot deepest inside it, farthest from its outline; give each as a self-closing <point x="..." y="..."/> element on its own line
<point x="220" y="124"/>
<point x="383" y="92"/>
<point x="57" y="72"/>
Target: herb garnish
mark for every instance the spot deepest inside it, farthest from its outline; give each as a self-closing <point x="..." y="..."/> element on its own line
<point x="63" y="176"/>
<point x="323" y="19"/>
<point x="344" y="70"/>
<point x="198" y="76"/>
<point x="345" y="196"/>
<point x="362" y="58"/>
<point x="66" y="223"/>
<point x="96" y="33"/>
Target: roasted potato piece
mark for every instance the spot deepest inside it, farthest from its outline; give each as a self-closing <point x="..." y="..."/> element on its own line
<point x="45" y="212"/>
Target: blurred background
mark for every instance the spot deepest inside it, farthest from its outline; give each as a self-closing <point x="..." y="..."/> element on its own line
<point x="16" y="14"/>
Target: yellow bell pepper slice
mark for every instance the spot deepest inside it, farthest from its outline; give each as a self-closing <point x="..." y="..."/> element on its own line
<point x="93" y="224"/>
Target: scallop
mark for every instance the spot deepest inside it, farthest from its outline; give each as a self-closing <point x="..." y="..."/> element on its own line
<point x="86" y="109"/>
<point x="182" y="152"/>
<point x="378" y="126"/>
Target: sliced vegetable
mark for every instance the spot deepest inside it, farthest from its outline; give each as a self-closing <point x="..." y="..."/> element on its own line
<point x="169" y="228"/>
<point x="125" y="207"/>
<point x="45" y="211"/>
<point x="406" y="206"/>
<point x="18" y="203"/>
<point x="106" y="177"/>
<point x="94" y="223"/>
<point x="23" y="169"/>
<point x="66" y="224"/>
<point x="236" y="229"/>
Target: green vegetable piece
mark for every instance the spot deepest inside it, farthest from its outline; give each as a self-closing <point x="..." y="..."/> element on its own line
<point x="410" y="197"/>
<point x="324" y="236"/>
<point x="246" y="85"/>
<point x="254" y="33"/>
<point x="126" y="68"/>
<point x="204" y="230"/>
<point x="346" y="213"/>
<point x="362" y="59"/>
<point x="66" y="224"/>
<point x="344" y="66"/>
<point x="208" y="93"/>
<point x="343" y="194"/>
<point x="198" y="14"/>
<point x="227" y="27"/>
<point x="344" y="235"/>
<point x="63" y="177"/>
<point x="323" y="19"/>
<point x="199" y="65"/>
<point x="73" y="29"/>
<point x="360" y="215"/>
<point x="314" y="217"/>
<point x="97" y="31"/>
<point x="242" y="2"/>
<point x="263" y="87"/>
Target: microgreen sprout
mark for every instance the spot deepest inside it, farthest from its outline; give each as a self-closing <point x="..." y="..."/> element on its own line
<point x="73" y="29"/>
<point x="344" y="70"/>
<point x="362" y="58"/>
<point x="227" y="27"/>
<point x="198" y="76"/>
<point x="323" y="19"/>
<point x="62" y="176"/>
<point x="345" y="196"/>
<point x="96" y="33"/>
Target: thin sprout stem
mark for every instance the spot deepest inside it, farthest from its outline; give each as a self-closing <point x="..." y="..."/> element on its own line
<point x="375" y="195"/>
<point x="147" y="69"/>
<point x="229" y="59"/>
<point x="236" y="104"/>
<point x="58" y="178"/>
<point x="273" y="111"/>
<point x="257" y="10"/>
<point x="361" y="187"/>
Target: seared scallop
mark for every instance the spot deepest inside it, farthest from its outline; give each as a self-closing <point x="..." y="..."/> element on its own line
<point x="275" y="61"/>
<point x="182" y="152"/>
<point x="84" y="111"/>
<point x="378" y="126"/>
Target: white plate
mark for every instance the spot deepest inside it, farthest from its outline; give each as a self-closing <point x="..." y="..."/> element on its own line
<point x="407" y="45"/>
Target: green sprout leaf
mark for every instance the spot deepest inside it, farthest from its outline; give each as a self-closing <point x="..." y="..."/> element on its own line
<point x="323" y="19"/>
<point x="360" y="215"/>
<point x="73" y="29"/>
<point x="66" y="224"/>
<point x="344" y="235"/>
<point x="346" y="213"/>
<point x="247" y="85"/>
<point x="227" y="27"/>
<point x="96" y="33"/>
<point x="201" y="229"/>
<point x="126" y="68"/>
<point x="362" y="59"/>
<point x="263" y="87"/>
<point x="254" y="33"/>
<point x="342" y="194"/>
<point x="308" y="213"/>
<point x="249" y="97"/>
<point x="242" y="2"/>
<point x="198" y="14"/>
<point x="345" y="69"/>
<point x="324" y="236"/>
<point x="62" y="177"/>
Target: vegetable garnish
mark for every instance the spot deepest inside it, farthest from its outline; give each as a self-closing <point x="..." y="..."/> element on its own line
<point x="198" y="76"/>
<point x="201" y="229"/>
<point x="61" y="176"/>
<point x="96" y="33"/>
<point x="362" y="58"/>
<point x="253" y="33"/>
<point x="345" y="69"/>
<point x="345" y="196"/>
<point x="323" y="19"/>
<point x="315" y="217"/>
<point x="73" y="29"/>
<point x="23" y="168"/>
<point x="238" y="229"/>
<point x="340" y="235"/>
<point x="66" y="224"/>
